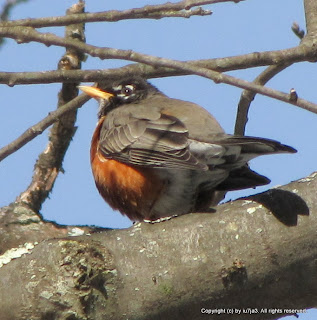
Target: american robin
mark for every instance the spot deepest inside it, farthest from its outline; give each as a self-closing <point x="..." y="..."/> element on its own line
<point x="154" y="157"/>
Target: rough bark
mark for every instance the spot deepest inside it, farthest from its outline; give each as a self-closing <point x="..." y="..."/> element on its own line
<point x="242" y="257"/>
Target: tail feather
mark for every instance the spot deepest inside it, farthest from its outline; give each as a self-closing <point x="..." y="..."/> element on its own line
<point x="242" y="178"/>
<point x="259" y="146"/>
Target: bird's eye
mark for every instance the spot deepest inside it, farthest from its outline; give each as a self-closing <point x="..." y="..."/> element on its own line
<point x="128" y="90"/>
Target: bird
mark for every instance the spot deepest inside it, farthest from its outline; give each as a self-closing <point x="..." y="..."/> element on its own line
<point x="155" y="157"/>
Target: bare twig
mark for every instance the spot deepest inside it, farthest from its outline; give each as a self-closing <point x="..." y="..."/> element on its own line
<point x="300" y="33"/>
<point x="180" y="9"/>
<point x="247" y="96"/>
<point x="7" y="7"/>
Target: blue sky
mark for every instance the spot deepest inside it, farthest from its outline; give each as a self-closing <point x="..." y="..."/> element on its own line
<point x="232" y="29"/>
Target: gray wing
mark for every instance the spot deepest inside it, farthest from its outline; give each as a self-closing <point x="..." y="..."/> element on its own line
<point x="161" y="143"/>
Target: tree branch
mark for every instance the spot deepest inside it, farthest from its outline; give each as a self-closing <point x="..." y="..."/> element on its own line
<point x="6" y="10"/>
<point x="243" y="256"/>
<point x="28" y="34"/>
<point x="39" y="127"/>
<point x="49" y="162"/>
<point x="247" y="96"/>
<point x="178" y="9"/>
<point x="239" y="62"/>
<point x="19" y="224"/>
<point x="310" y="7"/>
<point x="24" y="34"/>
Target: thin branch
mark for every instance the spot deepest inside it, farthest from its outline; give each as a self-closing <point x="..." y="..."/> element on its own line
<point x="181" y="9"/>
<point x="247" y="96"/>
<point x="6" y="10"/>
<point x="27" y="34"/>
<point x="39" y="127"/>
<point x="24" y="34"/>
<point x="256" y="59"/>
<point x="222" y="78"/>
<point x="296" y="54"/>
<point x="178" y="9"/>
<point x="49" y="162"/>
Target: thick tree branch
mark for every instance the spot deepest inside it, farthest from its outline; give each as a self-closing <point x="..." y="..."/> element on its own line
<point x="19" y="224"/>
<point x="243" y="256"/>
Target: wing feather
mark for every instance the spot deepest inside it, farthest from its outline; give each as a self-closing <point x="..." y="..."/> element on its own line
<point x="161" y="142"/>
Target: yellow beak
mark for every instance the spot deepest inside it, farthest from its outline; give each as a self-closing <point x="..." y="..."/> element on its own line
<point x="95" y="92"/>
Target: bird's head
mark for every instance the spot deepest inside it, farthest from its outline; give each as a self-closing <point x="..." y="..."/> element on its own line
<point x="111" y="95"/>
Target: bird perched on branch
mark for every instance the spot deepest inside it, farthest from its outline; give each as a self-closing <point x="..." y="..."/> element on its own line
<point x="153" y="157"/>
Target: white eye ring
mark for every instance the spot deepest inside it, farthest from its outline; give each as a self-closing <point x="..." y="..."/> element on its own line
<point x="128" y="89"/>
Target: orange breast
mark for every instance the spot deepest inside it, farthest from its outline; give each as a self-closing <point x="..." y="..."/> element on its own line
<point x="130" y="189"/>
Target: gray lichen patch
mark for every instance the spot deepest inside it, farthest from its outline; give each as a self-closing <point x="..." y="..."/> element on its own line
<point x="94" y="275"/>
